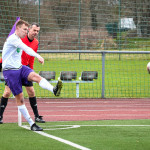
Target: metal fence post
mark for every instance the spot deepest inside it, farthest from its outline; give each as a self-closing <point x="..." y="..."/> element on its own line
<point x="103" y="74"/>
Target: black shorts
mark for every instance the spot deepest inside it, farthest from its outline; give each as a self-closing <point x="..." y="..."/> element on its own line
<point x="30" y="83"/>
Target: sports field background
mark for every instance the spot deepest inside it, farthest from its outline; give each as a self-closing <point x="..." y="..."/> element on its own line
<point x="88" y="25"/>
<point x="88" y="121"/>
<point x="124" y="78"/>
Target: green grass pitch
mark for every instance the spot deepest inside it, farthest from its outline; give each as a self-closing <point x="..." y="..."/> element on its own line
<point x="95" y="135"/>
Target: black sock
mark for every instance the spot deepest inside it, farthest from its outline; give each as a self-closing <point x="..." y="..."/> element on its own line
<point x="3" y="105"/>
<point x="33" y="104"/>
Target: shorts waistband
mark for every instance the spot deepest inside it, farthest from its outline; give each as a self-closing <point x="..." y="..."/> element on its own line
<point x="12" y="68"/>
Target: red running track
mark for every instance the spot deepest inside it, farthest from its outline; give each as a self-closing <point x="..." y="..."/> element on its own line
<point x="84" y="109"/>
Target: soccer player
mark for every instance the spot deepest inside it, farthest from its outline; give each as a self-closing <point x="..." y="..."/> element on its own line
<point x="27" y="60"/>
<point x="16" y="74"/>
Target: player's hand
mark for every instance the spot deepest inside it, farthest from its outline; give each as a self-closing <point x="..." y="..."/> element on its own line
<point x="40" y="59"/>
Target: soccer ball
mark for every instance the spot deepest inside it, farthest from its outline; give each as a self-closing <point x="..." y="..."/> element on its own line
<point x="148" y="67"/>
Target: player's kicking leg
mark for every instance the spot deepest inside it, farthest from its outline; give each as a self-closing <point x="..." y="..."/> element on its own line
<point x="57" y="88"/>
<point x="45" y="84"/>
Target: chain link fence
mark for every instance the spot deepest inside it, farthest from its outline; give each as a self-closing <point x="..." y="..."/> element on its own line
<point x="93" y="25"/>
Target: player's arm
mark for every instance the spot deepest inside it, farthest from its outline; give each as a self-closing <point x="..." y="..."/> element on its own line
<point x="30" y="52"/>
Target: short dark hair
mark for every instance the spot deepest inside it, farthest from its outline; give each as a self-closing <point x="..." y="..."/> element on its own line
<point x="34" y="23"/>
<point x="21" y="22"/>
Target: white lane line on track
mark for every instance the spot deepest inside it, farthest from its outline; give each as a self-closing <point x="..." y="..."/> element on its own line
<point x="114" y="125"/>
<point x="59" y="139"/>
<point x="83" y="115"/>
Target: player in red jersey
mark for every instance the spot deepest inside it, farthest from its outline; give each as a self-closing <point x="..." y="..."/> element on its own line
<point x="27" y="60"/>
<point x="0" y="64"/>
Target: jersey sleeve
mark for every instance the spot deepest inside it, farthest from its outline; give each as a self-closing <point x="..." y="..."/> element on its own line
<point x="17" y="42"/>
<point x="28" y="50"/>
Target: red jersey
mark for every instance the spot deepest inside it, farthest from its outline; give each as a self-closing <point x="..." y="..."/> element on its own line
<point x="25" y="58"/>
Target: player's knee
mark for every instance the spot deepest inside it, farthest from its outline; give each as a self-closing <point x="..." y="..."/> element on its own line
<point x="7" y="94"/>
<point x="34" y="77"/>
<point x="31" y="93"/>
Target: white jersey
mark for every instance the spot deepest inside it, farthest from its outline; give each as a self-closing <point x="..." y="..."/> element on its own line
<point x="12" y="51"/>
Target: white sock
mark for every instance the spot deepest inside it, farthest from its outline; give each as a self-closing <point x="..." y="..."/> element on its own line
<point x="46" y="85"/>
<point x="25" y="113"/>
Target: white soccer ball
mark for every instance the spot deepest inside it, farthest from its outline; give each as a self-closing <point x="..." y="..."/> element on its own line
<point x="148" y="67"/>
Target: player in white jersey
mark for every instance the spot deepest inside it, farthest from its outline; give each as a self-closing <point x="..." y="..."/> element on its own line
<point x="15" y="74"/>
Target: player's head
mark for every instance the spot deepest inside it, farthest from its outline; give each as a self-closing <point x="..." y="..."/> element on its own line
<point x="34" y="29"/>
<point x="21" y="28"/>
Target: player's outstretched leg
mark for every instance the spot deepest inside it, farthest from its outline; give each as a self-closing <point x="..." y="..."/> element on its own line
<point x="45" y="84"/>
<point x="57" y="88"/>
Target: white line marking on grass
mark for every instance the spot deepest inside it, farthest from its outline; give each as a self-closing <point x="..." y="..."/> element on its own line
<point x="76" y="126"/>
<point x="68" y="127"/>
<point x="59" y="139"/>
<point x="115" y="125"/>
<point x="63" y="141"/>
